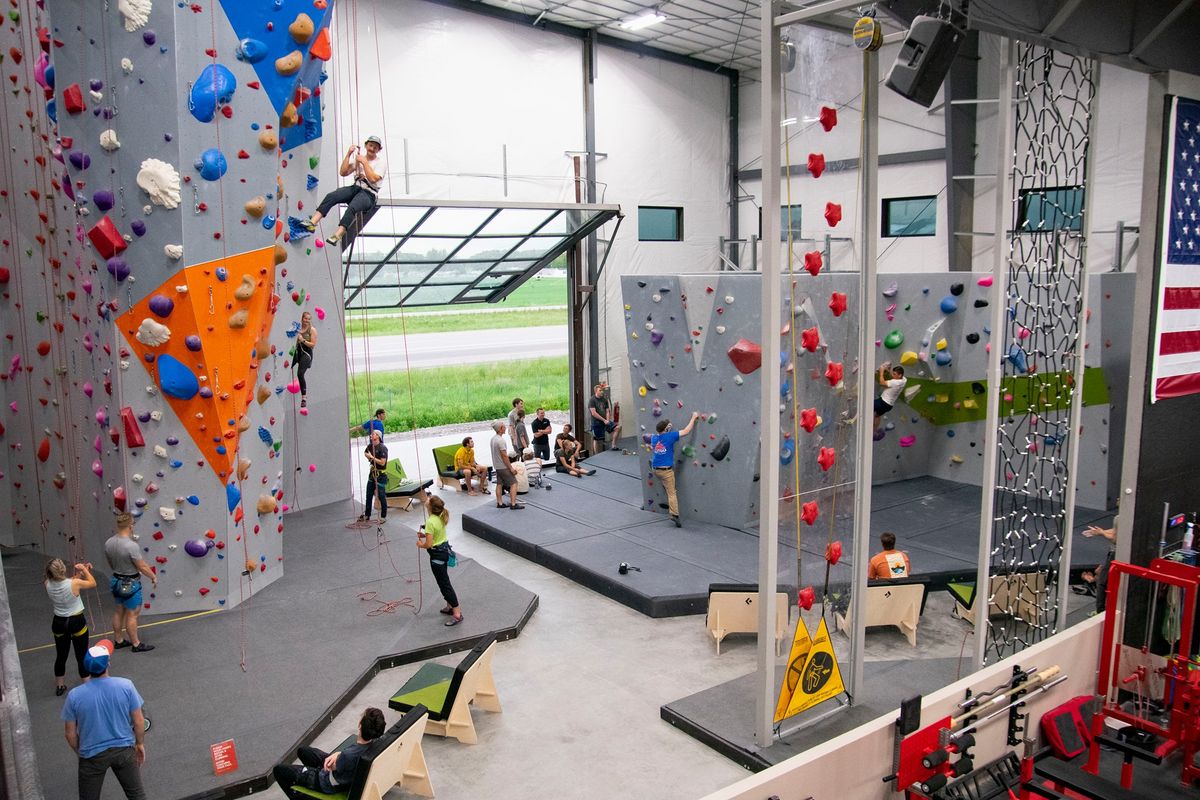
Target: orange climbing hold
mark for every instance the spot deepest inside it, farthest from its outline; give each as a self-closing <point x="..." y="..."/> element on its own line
<point x="321" y="48"/>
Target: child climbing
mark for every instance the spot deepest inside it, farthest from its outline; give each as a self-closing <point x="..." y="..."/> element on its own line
<point x="893" y="387"/>
<point x="306" y="341"/>
<point x="359" y="197"/>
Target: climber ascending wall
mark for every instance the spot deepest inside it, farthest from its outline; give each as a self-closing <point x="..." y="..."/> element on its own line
<point x="359" y="197"/>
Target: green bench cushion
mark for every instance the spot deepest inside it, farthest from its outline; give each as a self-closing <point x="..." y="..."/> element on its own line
<point x="443" y="457"/>
<point x="429" y="687"/>
<point x="314" y="793"/>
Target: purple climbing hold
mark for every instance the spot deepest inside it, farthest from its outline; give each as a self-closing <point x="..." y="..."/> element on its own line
<point x="172" y="440"/>
<point x="196" y="548"/>
<point x="79" y="159"/>
<point x="118" y="268"/>
<point x="144" y="416"/>
<point x="96" y="85"/>
<point x="656" y="337"/>
<point x="162" y="305"/>
<point x="149" y="37"/>
<point x="104" y="199"/>
<point x="206" y="392"/>
<point x="138" y="226"/>
<point x="192" y="343"/>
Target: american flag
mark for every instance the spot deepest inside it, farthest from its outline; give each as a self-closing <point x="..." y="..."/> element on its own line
<point x="1176" y="363"/>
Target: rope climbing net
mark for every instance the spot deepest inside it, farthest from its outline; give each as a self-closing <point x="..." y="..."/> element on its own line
<point x="1041" y="340"/>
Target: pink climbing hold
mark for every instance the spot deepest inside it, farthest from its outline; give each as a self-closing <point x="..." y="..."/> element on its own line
<point x="98" y="468"/>
<point x="985" y="281"/>
<point x="320" y="312"/>
<point x="87" y="389"/>
<point x="294" y="387"/>
<point x="908" y="441"/>
<point x="746" y="356"/>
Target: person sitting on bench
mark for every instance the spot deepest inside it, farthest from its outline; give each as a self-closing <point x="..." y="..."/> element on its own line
<point x="891" y="563"/>
<point x="330" y="773"/>
<point x="466" y="467"/>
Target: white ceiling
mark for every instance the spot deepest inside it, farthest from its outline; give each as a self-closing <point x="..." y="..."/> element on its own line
<point x="724" y="32"/>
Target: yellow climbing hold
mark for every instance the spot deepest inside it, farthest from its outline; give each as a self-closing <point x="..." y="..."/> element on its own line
<point x="941" y="398"/>
<point x="955" y="459"/>
<point x="641" y="391"/>
<point x="302" y="29"/>
<point x="909" y="357"/>
<point x="289" y="64"/>
<point x="941" y="344"/>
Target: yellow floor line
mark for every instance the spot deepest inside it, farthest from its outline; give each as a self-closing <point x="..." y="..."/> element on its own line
<point x="142" y="626"/>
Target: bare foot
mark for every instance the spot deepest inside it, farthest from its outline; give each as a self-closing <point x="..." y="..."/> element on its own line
<point x="473" y="493"/>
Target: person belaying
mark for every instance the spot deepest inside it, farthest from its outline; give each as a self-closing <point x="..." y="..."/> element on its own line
<point x="377" y="455"/>
<point x="127" y="565"/>
<point x="306" y="342"/>
<point x="431" y="537"/>
<point x="70" y="626"/>
<point x="662" y="460"/>
<point x="359" y="197"/>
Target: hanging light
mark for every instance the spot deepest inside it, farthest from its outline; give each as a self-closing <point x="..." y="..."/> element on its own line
<point x="645" y="20"/>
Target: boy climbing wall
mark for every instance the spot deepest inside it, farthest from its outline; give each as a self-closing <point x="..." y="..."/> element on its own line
<point x="893" y="382"/>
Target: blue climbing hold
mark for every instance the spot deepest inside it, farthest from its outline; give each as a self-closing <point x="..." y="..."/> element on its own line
<point x="175" y="379"/>
<point x="949" y="304"/>
<point x="266" y="437"/>
<point x="787" y="452"/>
<point x="222" y="274"/>
<point x="211" y="164"/>
<point x="213" y="89"/>
<point x="251" y="51"/>
<point x="193" y="499"/>
<point x="233" y="496"/>
<point x="943" y="358"/>
<point x="1018" y="359"/>
<point x="268" y="222"/>
<point x="176" y="464"/>
<point x="296" y="230"/>
<point x="311" y="182"/>
<point x="221" y="449"/>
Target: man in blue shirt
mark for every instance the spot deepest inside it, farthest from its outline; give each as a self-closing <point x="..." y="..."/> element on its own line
<point x="375" y="423"/>
<point x="104" y="726"/>
<point x="662" y="460"/>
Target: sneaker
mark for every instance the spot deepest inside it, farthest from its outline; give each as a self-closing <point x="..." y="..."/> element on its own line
<point x="125" y="643"/>
<point x="675" y="519"/>
<point x="333" y="240"/>
<point x="517" y="506"/>
<point x="142" y="648"/>
<point x="308" y="225"/>
<point x="303" y="403"/>
<point x="382" y="520"/>
<point x="364" y="518"/>
<point x="450" y="623"/>
<point x="879" y="434"/>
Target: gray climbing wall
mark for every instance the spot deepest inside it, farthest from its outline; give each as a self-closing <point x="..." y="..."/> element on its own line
<point x="155" y="298"/>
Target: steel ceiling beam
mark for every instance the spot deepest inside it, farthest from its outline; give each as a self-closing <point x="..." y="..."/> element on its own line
<point x="1158" y="29"/>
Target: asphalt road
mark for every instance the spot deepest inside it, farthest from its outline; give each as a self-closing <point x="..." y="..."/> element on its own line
<point x="459" y="347"/>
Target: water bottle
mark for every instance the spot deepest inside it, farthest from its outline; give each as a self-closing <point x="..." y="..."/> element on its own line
<point x="1188" y="537"/>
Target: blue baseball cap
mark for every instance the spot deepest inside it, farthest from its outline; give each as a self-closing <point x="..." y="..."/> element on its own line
<point x="95" y="660"/>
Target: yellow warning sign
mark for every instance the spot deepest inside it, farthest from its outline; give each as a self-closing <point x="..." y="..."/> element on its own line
<point x="812" y="672"/>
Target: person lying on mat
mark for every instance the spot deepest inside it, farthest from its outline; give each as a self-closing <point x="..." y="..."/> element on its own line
<point x="330" y="773"/>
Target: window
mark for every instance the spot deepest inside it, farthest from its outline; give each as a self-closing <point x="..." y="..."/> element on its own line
<point x="789" y="219"/>
<point x="1053" y="208"/>
<point x="660" y="224"/>
<point x="910" y="216"/>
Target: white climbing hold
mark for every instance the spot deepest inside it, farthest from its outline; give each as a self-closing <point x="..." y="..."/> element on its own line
<point x="108" y="140"/>
<point x="152" y="334"/>
<point x="126" y="66"/>
<point x="728" y="299"/>
<point x="656" y="298"/>
<point x="137" y="477"/>
<point x="160" y="451"/>
<point x="738" y="380"/>
<point x="720" y="329"/>
<point x="96" y="96"/>
<point x="159" y="180"/>
<point x="124" y="365"/>
<point x="649" y="326"/>
<point x="174" y="252"/>
<point x="167" y="513"/>
<point x="135" y="12"/>
<point x="156" y="415"/>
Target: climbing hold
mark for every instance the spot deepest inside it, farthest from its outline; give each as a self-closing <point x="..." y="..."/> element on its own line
<point x="152" y="334"/>
<point x="977" y="388"/>
<point x="972" y="338"/>
<point x="192" y="343"/>
<point x="233" y="496"/>
<point x="893" y="339"/>
<point x="173" y="251"/>
<point x="721" y="450"/>
<point x="956" y="459"/>
<point x="746" y="356"/>
<point x="118" y="268"/>
<point x="956" y="289"/>
<point x="827" y="118"/>
<point x="159" y="180"/>
<point x="1018" y="358"/>
<point x="809" y="419"/>
<point x="175" y="379"/>
<point x="212" y="90"/>
<point x="73" y="99"/>
<point x="289" y="117"/>
<point x="908" y="357"/>
<point x="806" y="597"/>
<point x="251" y="51"/>
<point x="949" y="305"/>
<point x="135" y="13"/>
<point x="833" y="214"/>
<point x="289" y="64"/>
<point x="891" y="290"/>
<point x="211" y="164"/>
<point x="246" y="290"/>
<point x="266" y="504"/>
<point x="981" y="303"/>
<point x="107" y="240"/>
<point x="239" y="319"/>
<point x="941" y="344"/>
<point x="656" y="337"/>
<point x="787" y="452"/>
<point x="812" y="262"/>
<point x="321" y="48"/>
<point x="162" y="305"/>
<point x="833" y="373"/>
<point x="816" y="164"/>
<point x="197" y="548"/>
<point x="908" y="441"/>
<point x="943" y="358"/>
<point x="827" y="457"/>
<point x="833" y="553"/>
<point x="255" y="206"/>
<point x="268" y="140"/>
<point x="837" y="303"/>
<point x="301" y="29"/>
<point x="810" y="339"/>
<point x="809" y="512"/>
<point x="985" y="281"/>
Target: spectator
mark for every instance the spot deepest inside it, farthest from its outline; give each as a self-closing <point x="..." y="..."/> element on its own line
<point x="893" y="387"/>
<point x="516" y="426"/>
<point x="565" y="456"/>
<point x="104" y="726"/>
<point x="377" y="456"/>
<point x="126" y="564"/>
<point x="330" y="773"/>
<point x="502" y="464"/>
<point x="465" y="466"/>
<point x="891" y="563"/>
<point x="306" y="343"/>
<point x="600" y="414"/>
<point x="359" y="197"/>
<point x="69" y="626"/>
<point x="431" y="537"/>
<point x="1097" y="579"/>
<point x="375" y="423"/>
<point x="662" y="449"/>
<point x="533" y="467"/>
<point x="541" y="435"/>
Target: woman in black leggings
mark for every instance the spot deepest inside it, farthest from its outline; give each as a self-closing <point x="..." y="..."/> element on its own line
<point x="306" y="342"/>
<point x="432" y="537"/>
<point x="69" y="626"/>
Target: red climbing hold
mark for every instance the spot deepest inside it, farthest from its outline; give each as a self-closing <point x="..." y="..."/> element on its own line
<point x="837" y="303"/>
<point x="813" y="262"/>
<point x="833" y="373"/>
<point x="810" y="339"/>
<point x="43" y="452"/>
<point x="321" y="48"/>
<point x="827" y="458"/>
<point x="806" y="597"/>
<point x="73" y="99"/>
<point x="119" y="498"/>
<point x="203" y="590"/>
<point x="133" y="434"/>
<point x="746" y="356"/>
<point x="833" y="214"/>
<point x="106" y="238"/>
<point x="808" y="419"/>
<point x="833" y="553"/>
<point x="808" y="512"/>
<point x="816" y="164"/>
<point x="5" y="275"/>
<point x="828" y="117"/>
<point x="43" y="348"/>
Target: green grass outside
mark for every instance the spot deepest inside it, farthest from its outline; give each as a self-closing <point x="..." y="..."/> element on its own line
<point x="467" y="393"/>
<point x="395" y="326"/>
<point x="534" y="292"/>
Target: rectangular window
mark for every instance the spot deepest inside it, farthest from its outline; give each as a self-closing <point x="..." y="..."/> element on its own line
<point x="1052" y="208"/>
<point x="910" y="216"/>
<point x="789" y="219"/>
<point x="660" y="224"/>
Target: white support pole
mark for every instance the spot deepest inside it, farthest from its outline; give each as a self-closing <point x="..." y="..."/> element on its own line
<point x="768" y="491"/>
<point x="1076" y="411"/>
<point x="1005" y="135"/>
<point x="868" y="310"/>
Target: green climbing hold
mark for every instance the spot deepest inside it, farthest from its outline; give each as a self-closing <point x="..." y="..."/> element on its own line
<point x="712" y="418"/>
<point x="313" y="161"/>
<point x="908" y="307"/>
<point x="277" y="445"/>
<point x="41" y="317"/>
<point x="893" y="339"/>
<point x="299" y="297"/>
<point x="688" y="451"/>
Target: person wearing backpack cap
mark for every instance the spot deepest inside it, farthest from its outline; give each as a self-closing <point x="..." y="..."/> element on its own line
<point x="104" y="725"/>
<point x="359" y="197"/>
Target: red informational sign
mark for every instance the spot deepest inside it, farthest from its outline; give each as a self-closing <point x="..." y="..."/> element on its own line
<point x="224" y="757"/>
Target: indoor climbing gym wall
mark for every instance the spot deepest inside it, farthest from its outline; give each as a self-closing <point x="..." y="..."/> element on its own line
<point x="152" y="288"/>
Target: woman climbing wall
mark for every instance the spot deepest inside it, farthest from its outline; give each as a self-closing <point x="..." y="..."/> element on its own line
<point x="306" y="342"/>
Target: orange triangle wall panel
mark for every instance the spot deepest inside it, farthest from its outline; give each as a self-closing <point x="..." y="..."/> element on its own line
<point x="196" y="335"/>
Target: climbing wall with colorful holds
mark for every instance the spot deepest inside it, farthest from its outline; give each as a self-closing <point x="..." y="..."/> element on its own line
<point x="154" y="150"/>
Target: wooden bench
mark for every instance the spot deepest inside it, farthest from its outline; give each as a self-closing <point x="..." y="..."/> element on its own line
<point x="733" y="608"/>
<point x="896" y="603"/>
<point x="394" y="759"/>
<point x="448" y="692"/>
<point x="1019" y="597"/>
<point x="443" y="459"/>
<point x="401" y="490"/>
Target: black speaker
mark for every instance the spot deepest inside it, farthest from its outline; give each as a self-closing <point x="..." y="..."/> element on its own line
<point x="924" y="59"/>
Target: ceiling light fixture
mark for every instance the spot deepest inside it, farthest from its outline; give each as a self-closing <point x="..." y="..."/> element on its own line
<point x="651" y="17"/>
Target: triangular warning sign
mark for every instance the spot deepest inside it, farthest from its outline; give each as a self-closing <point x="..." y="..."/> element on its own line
<point x="812" y="675"/>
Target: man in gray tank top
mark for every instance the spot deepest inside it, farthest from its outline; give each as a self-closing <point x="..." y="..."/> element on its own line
<point x="127" y="566"/>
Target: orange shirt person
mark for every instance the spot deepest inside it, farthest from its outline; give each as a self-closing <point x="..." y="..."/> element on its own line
<point x="891" y="563"/>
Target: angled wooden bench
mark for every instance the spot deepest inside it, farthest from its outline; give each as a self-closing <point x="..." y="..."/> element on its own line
<point x="403" y="491"/>
<point x="897" y="603"/>
<point x="1010" y="596"/>
<point x="394" y="759"/>
<point x="448" y="692"/>
<point x="733" y="608"/>
<point x="447" y="475"/>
